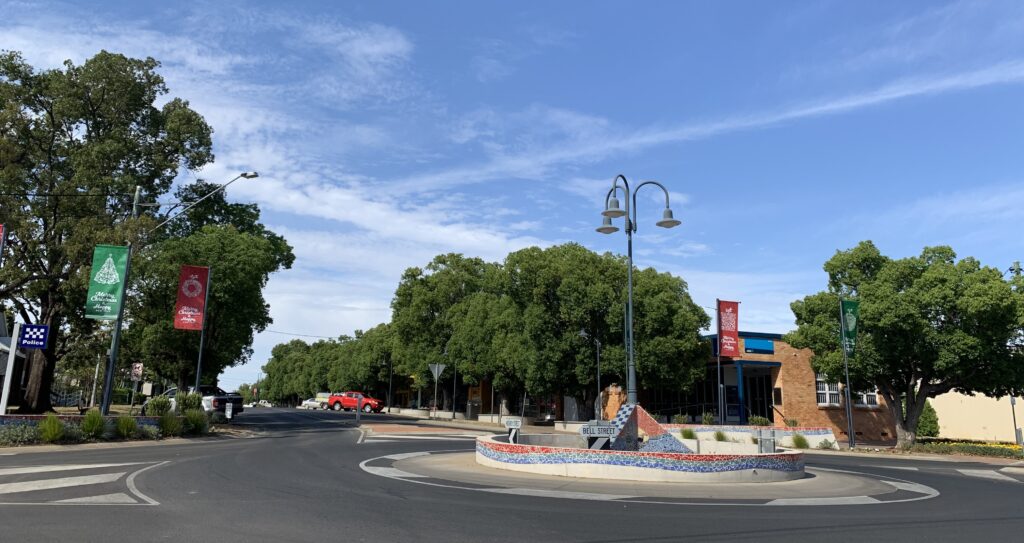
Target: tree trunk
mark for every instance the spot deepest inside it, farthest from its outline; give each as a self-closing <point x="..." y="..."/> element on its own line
<point x="40" y="365"/>
<point x="907" y="417"/>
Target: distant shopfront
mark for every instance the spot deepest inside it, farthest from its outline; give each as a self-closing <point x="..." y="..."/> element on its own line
<point x="771" y="379"/>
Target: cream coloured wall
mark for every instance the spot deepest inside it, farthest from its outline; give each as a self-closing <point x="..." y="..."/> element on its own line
<point x="975" y="417"/>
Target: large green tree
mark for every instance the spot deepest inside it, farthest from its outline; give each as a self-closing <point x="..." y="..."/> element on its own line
<point x="74" y="144"/>
<point x="240" y="265"/>
<point x="928" y="324"/>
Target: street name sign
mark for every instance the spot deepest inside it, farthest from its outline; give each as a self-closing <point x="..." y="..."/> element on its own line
<point x="513" y="423"/>
<point x="597" y="429"/>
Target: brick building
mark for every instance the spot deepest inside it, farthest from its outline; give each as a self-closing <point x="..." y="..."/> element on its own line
<point x="774" y="380"/>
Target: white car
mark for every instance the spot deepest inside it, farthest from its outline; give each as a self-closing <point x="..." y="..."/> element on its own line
<point x="311" y="403"/>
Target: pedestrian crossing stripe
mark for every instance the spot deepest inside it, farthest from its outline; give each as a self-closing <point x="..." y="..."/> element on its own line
<point x="45" y="480"/>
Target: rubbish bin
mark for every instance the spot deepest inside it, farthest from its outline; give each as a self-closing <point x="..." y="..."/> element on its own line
<point x="472" y="410"/>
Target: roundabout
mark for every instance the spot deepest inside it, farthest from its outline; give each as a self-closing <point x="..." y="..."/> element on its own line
<point x="819" y="486"/>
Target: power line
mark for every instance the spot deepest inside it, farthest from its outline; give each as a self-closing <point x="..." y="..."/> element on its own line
<point x="299" y="335"/>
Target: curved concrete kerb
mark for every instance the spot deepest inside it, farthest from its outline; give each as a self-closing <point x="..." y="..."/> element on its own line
<point x="568" y="461"/>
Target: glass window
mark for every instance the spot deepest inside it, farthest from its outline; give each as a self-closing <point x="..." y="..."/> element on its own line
<point x="869" y="399"/>
<point x="828" y="393"/>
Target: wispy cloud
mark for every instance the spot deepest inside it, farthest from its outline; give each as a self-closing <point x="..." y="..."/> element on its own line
<point x="536" y="165"/>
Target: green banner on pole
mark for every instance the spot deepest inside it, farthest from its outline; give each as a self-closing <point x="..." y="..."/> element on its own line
<point x="106" y="282"/>
<point x="849" y="311"/>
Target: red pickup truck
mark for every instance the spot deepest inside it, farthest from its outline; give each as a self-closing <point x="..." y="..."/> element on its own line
<point x="350" y="400"/>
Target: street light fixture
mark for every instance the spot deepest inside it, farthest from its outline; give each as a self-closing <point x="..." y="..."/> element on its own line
<point x="611" y="211"/>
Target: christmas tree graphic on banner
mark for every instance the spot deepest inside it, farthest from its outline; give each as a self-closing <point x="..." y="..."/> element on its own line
<point x="108" y="273"/>
<point x="105" y="288"/>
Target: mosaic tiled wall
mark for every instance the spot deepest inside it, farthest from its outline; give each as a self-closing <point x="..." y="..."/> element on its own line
<point x="694" y="463"/>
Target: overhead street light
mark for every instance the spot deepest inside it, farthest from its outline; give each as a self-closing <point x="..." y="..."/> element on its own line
<point x="612" y="211"/>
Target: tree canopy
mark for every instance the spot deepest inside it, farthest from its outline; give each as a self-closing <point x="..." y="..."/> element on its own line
<point x="928" y="324"/>
<point x="516" y="324"/>
<point x="74" y="144"/>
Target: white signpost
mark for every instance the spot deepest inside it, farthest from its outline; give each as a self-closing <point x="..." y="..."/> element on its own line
<point x="436" y="370"/>
<point x="229" y="409"/>
<point x="513" y="425"/>
<point x="599" y="434"/>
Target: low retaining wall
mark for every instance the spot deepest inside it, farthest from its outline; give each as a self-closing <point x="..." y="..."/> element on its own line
<point x="33" y="420"/>
<point x="784" y="435"/>
<point x="639" y="466"/>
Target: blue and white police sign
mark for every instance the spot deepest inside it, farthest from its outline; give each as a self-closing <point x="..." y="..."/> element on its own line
<point x="33" y="336"/>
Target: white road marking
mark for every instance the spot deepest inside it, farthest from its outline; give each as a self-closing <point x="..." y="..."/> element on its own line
<point x="845" y="500"/>
<point x="557" y="494"/>
<point x="904" y="468"/>
<point x="135" y="490"/>
<point x="988" y="474"/>
<point x="390" y="472"/>
<point x="424" y="438"/>
<point x="106" y="499"/>
<point x="63" y="482"/>
<point x="912" y="487"/>
<point x="1013" y="470"/>
<point x="403" y="456"/>
<point x="64" y="467"/>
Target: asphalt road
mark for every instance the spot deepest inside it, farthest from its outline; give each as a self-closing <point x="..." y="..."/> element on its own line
<point x="301" y="480"/>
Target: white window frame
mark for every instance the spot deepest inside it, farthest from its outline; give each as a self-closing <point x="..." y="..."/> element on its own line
<point x="830" y="390"/>
<point x="866" y="399"/>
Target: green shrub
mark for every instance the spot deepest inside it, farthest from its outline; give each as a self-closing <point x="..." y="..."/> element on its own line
<point x="196" y="422"/>
<point x="800" y="442"/>
<point x="170" y="425"/>
<point x="708" y="418"/>
<point x="758" y="420"/>
<point x="688" y="433"/>
<point x="126" y="427"/>
<point x="826" y="444"/>
<point x="792" y="423"/>
<point x="12" y="435"/>
<point x="158" y="406"/>
<point x="51" y="429"/>
<point x="679" y="419"/>
<point x="928" y="424"/>
<point x="189" y="402"/>
<point x="753" y="440"/>
<point x="218" y="418"/>
<point x="148" y="432"/>
<point x="93" y="425"/>
<point x="720" y="436"/>
<point x="73" y="434"/>
<point x="1004" y="450"/>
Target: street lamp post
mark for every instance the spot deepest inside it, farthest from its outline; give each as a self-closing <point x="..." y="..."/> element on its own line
<point x="611" y="211"/>
<point x="115" y="341"/>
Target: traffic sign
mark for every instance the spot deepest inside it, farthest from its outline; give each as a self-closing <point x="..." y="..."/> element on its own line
<point x="33" y="336"/>
<point x="436" y="369"/>
<point x="513" y="423"/>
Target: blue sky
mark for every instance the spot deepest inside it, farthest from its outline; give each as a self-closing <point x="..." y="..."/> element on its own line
<point x="388" y="132"/>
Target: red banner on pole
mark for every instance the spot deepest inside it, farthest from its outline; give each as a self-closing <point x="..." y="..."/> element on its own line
<point x="728" y="328"/>
<point x="191" y="306"/>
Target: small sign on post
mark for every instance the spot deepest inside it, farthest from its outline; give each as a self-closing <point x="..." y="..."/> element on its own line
<point x="599" y="434"/>
<point x="137" y="371"/>
<point x="513" y="425"/>
<point x="33" y="336"/>
<point x="229" y="409"/>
